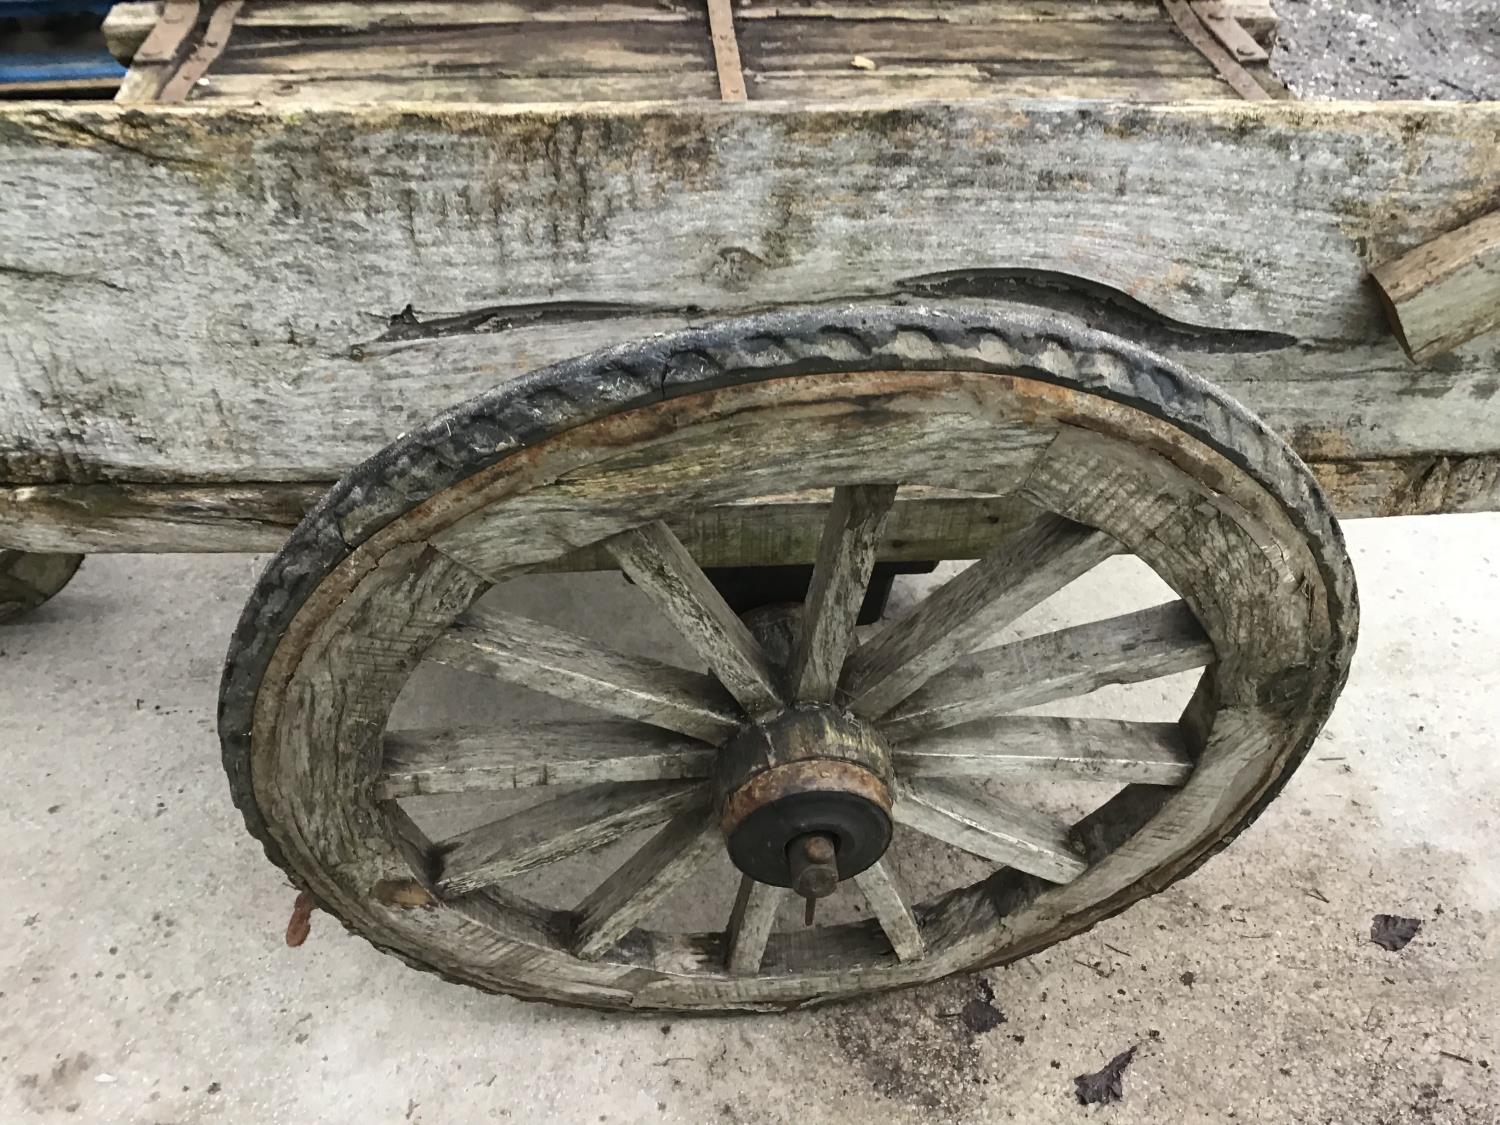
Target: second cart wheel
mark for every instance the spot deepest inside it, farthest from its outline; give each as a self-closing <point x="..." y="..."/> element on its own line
<point x="27" y="580"/>
<point x="798" y="752"/>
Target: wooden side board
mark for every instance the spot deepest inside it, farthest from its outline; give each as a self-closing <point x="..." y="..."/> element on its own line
<point x="220" y="296"/>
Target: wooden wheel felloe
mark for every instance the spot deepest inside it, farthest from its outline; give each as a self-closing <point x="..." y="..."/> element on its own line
<point x="27" y="580"/>
<point x="1036" y="450"/>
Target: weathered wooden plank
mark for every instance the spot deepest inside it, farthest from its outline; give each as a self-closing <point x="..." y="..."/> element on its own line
<point x="965" y="81"/>
<point x="576" y="822"/>
<point x="792" y="438"/>
<point x="846" y="556"/>
<point x="580" y="670"/>
<point x="1019" y="574"/>
<point x="1059" y="665"/>
<point x="522" y="755"/>
<point x="666" y="861"/>
<point x="660" y="565"/>
<point x="257" y="517"/>
<point x="879" y="887"/>
<point x="751" y="923"/>
<point x="726" y="51"/>
<point x="1445" y="292"/>
<point x="137" y="517"/>
<point x="990" y="827"/>
<point x="167" y="386"/>
<point x="156" y="56"/>
<point x="1040" y="746"/>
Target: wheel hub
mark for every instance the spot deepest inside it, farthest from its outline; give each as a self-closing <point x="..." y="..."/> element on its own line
<point x="810" y="782"/>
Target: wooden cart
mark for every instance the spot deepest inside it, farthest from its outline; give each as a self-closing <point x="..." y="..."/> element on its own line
<point x="838" y="286"/>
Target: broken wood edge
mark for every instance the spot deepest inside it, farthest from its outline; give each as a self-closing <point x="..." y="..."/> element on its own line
<point x="210" y="47"/>
<point x="1446" y="292"/>
<point x="726" y="52"/>
<point x="157" y="57"/>
<point x="1193" y="30"/>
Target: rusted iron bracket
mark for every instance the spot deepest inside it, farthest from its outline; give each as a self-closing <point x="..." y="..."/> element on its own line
<point x="726" y="51"/>
<point x="1228" y="31"/>
<point x="1193" y="29"/>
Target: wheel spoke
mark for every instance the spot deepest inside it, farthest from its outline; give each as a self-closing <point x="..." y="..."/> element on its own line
<point x="660" y="565"/>
<point x="846" y="556"/>
<point x="1127" y="649"/>
<point x="576" y="822"/>
<point x="878" y="886"/>
<point x="555" y="662"/>
<point x="1021" y="746"/>
<point x="990" y="827"/>
<point x="525" y="755"/>
<point x="1026" y="569"/>
<point x="666" y="861"/>
<point x="751" y="923"/>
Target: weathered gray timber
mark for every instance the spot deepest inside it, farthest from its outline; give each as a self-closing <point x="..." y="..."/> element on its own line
<point x="522" y="243"/>
<point x="891" y="910"/>
<point x="991" y="827"/>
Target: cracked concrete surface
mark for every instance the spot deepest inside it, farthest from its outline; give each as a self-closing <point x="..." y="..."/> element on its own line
<point x="145" y="978"/>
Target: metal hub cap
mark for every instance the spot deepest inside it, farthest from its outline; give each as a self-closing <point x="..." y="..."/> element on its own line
<point x="805" y="799"/>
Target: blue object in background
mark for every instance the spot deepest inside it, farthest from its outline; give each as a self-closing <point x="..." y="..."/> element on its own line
<point x="55" y="44"/>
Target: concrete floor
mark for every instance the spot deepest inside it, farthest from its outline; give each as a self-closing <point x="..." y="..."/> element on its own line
<point x="144" y="976"/>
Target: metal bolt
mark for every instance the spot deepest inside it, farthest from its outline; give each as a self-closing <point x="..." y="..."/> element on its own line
<point x="815" y="873"/>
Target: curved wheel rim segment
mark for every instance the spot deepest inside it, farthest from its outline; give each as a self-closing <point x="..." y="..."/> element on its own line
<point x="1103" y="447"/>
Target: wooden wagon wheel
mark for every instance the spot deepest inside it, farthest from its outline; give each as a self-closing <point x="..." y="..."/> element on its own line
<point x="27" y="580"/>
<point x="798" y="748"/>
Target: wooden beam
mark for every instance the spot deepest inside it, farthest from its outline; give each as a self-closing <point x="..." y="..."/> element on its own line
<point x="581" y="670"/>
<point x="726" y="51"/>
<point x="1445" y="292"/>
<point x="178" y="390"/>
<point x="576" y="822"/>
<point x="157" y="56"/>
<point x="1042" y="746"/>
<point x="195" y="66"/>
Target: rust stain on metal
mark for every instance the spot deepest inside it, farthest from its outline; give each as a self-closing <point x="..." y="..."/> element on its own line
<point x="811" y="775"/>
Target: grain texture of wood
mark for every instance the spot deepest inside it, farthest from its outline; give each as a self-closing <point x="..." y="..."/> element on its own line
<point x="890" y="908"/>
<point x="1058" y="665"/>
<point x="147" y="518"/>
<point x="1022" y="572"/>
<point x="990" y="827"/>
<point x="204" y="53"/>
<point x="668" y="859"/>
<point x="575" y="822"/>
<point x="1445" y="292"/>
<point x="522" y="755"/>
<point x="568" y="666"/>
<point x="1040" y="746"/>
<point x="164" y="386"/>
<point x="750" y="924"/>
<point x="726" y="51"/>
<point x="658" y="563"/>
<point x="846" y="556"/>
<point x="156" y="56"/>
